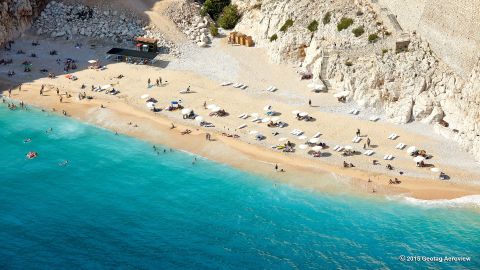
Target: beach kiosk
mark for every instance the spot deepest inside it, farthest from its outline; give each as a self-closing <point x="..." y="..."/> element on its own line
<point x="146" y="44"/>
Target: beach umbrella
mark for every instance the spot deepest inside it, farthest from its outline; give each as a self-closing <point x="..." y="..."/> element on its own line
<point x="211" y="106"/>
<point x="199" y="119"/>
<point x="303" y="146"/>
<point x="342" y="94"/>
<point x="216" y="109"/>
<point x="282" y="139"/>
<point x="145" y="96"/>
<point x="348" y="147"/>
<point x="295" y="112"/>
<point x="253" y="132"/>
<point x="303" y="114"/>
<point x="186" y="111"/>
<point x="314" y="140"/>
<point x="317" y="148"/>
<point x="411" y="149"/>
<point x="254" y="115"/>
<point x="418" y="159"/>
<point x="267" y="108"/>
<point x="302" y="137"/>
<point x="150" y="105"/>
<point x="92" y="61"/>
<point x="265" y="120"/>
<point x="275" y="119"/>
<point x="435" y="170"/>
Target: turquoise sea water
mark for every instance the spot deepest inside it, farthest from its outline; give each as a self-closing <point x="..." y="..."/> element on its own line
<point x="119" y="205"/>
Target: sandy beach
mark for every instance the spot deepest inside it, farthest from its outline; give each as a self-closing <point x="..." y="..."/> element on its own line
<point x="248" y="66"/>
<point x="234" y="142"/>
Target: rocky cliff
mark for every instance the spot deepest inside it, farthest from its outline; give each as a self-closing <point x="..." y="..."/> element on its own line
<point x="16" y="16"/>
<point x="414" y="85"/>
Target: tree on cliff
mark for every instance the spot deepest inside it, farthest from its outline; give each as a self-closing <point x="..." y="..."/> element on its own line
<point x="214" y="8"/>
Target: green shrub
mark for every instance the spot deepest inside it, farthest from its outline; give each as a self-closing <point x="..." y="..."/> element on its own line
<point x="214" y="8"/>
<point x="372" y="38"/>
<point x="286" y="25"/>
<point x="387" y="33"/>
<point x="213" y="30"/>
<point x="257" y="6"/>
<point x="313" y="26"/>
<point x="273" y="37"/>
<point x="359" y="13"/>
<point x="384" y="51"/>
<point x="327" y="17"/>
<point x="344" y="24"/>
<point x="229" y="17"/>
<point x="358" y="31"/>
<point x="348" y="63"/>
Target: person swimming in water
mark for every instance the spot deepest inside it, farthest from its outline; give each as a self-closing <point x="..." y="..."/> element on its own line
<point x="63" y="163"/>
<point x="27" y="140"/>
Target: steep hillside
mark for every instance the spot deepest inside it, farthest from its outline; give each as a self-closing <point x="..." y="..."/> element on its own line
<point x="416" y="85"/>
<point x="16" y="16"/>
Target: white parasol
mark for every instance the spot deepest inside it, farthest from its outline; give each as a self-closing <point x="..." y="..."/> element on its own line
<point x="314" y="140"/>
<point x="411" y="149"/>
<point x="199" y="119"/>
<point x="295" y="112"/>
<point x="303" y="114"/>
<point x="186" y="111"/>
<point x="317" y="148"/>
<point x="418" y="159"/>
<point x="348" y="147"/>
<point x="150" y="105"/>
<point x="211" y="106"/>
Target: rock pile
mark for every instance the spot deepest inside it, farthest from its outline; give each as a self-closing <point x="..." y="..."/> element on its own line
<point x="62" y="20"/>
<point x="186" y="17"/>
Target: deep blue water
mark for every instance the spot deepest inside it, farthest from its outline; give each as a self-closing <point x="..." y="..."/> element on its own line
<point x="119" y="205"/>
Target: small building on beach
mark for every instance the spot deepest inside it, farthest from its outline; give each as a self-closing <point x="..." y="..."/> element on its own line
<point x="146" y="44"/>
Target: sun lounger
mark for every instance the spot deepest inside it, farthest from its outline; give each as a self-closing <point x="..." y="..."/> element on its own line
<point x="209" y="125"/>
<point x="393" y="136"/>
<point x="368" y="153"/>
<point x="388" y="157"/>
<point x="336" y="147"/>
<point x="340" y="149"/>
<point x="356" y="140"/>
<point x="237" y="85"/>
<point x="318" y="134"/>
<point x="226" y="83"/>
<point x="244" y="87"/>
<point x="400" y="146"/>
<point x="296" y="132"/>
<point x="271" y="89"/>
<point x="374" y="118"/>
<point x="245" y="116"/>
<point x="255" y="119"/>
<point x="242" y="126"/>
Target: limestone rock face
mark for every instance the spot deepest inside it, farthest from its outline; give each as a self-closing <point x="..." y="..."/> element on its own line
<point x="16" y="16"/>
<point x="415" y="85"/>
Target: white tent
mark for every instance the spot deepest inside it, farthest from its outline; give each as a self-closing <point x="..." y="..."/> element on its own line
<point x="303" y="114"/>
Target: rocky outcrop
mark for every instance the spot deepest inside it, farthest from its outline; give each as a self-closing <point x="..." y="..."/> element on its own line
<point x="16" y="16"/>
<point x="185" y="15"/>
<point x="414" y="85"/>
<point x="68" y="21"/>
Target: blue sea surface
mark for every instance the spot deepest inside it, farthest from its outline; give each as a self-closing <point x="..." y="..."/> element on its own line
<point x="118" y="204"/>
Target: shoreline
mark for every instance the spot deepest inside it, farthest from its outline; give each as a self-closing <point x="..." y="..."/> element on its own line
<point x="302" y="172"/>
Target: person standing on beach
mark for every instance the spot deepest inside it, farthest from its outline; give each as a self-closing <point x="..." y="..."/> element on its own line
<point x="61" y="99"/>
<point x="41" y="92"/>
<point x="9" y="92"/>
<point x="358" y="132"/>
<point x="58" y="91"/>
<point x="368" y="142"/>
<point x="148" y="83"/>
<point x="205" y="105"/>
<point x="158" y="83"/>
<point x="276" y="167"/>
<point x="310" y="102"/>
<point x="160" y="80"/>
<point x="20" y="88"/>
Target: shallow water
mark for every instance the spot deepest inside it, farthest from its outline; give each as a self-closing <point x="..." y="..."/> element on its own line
<point x="120" y="205"/>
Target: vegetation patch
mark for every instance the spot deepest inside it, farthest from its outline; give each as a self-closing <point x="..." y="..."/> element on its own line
<point x="273" y="37"/>
<point x="348" y="63"/>
<point x="214" y="8"/>
<point x="344" y="23"/>
<point x="213" y="30"/>
<point x="327" y="17"/>
<point x="313" y="26"/>
<point x="257" y="6"/>
<point x="286" y="25"/>
<point x="358" y="31"/>
<point x="372" y="38"/>
<point x="229" y="17"/>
